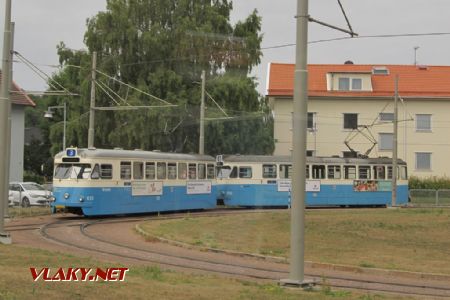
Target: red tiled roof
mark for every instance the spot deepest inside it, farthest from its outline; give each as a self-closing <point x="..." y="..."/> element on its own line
<point x="414" y="81"/>
<point x="18" y="96"/>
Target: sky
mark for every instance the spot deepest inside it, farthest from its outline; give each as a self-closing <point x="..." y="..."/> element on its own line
<point x="42" y="24"/>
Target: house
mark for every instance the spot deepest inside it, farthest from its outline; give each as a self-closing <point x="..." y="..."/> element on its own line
<point x="350" y="110"/>
<point x="20" y="100"/>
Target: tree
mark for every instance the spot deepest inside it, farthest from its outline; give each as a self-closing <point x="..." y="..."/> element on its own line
<point x="161" y="48"/>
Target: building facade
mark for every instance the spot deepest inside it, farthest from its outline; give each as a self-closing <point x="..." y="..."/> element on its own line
<point x="351" y="110"/>
<point x="19" y="101"/>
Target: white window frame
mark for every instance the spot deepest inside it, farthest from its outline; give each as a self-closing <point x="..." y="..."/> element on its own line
<point x="431" y="160"/>
<point x="343" y="121"/>
<point x="387" y="120"/>
<point x="351" y="86"/>
<point x="381" y="146"/>
<point x="423" y="129"/>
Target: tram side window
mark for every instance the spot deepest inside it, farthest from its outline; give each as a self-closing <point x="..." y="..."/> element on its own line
<point x="106" y="171"/>
<point x="192" y="171"/>
<point x="138" y="170"/>
<point x="379" y="172"/>
<point x="307" y="171"/>
<point x="334" y="172"/>
<point x="172" y="171"/>
<point x="182" y="170"/>
<point x="403" y="173"/>
<point x="95" y="172"/>
<point x="389" y="172"/>
<point x="150" y="170"/>
<point x="318" y="172"/>
<point x="125" y="170"/>
<point x="201" y="171"/>
<point x="210" y="171"/>
<point x="245" y="172"/>
<point x="285" y="171"/>
<point x="364" y="172"/>
<point x="234" y="173"/>
<point x="161" y="170"/>
<point x="269" y="171"/>
<point x="350" y="172"/>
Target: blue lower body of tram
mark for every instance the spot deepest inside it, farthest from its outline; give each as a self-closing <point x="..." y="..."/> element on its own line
<point x="95" y="201"/>
<point x="262" y="195"/>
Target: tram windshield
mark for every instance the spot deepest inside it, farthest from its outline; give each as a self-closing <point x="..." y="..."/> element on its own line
<point x="72" y="171"/>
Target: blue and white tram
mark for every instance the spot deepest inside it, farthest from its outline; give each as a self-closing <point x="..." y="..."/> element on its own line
<point x="109" y="182"/>
<point x="248" y="180"/>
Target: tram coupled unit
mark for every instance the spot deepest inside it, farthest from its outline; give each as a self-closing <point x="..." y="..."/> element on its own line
<point x="265" y="181"/>
<point x="96" y="182"/>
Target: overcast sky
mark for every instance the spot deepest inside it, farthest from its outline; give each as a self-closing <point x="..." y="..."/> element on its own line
<point x="42" y="24"/>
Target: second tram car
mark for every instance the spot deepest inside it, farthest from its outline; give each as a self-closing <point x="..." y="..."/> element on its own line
<point x="255" y="180"/>
<point x="110" y="182"/>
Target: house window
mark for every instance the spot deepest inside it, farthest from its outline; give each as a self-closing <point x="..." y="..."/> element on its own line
<point x="423" y="161"/>
<point x="356" y="84"/>
<point x="385" y="141"/>
<point x="423" y="122"/>
<point x="350" y="84"/>
<point x="386" y="117"/>
<point x="344" y="84"/>
<point x="350" y="121"/>
<point x="311" y="121"/>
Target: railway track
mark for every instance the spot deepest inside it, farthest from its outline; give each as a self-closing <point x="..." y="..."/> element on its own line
<point x="80" y="234"/>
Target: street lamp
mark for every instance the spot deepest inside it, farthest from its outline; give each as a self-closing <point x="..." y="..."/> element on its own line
<point x="49" y="114"/>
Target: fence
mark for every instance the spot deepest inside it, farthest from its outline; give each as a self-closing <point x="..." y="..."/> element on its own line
<point x="429" y="197"/>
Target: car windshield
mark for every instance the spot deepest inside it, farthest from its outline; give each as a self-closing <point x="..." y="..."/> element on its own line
<point x="72" y="171"/>
<point x="32" y="187"/>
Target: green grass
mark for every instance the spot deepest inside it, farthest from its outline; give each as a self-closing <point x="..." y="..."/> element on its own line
<point x="141" y="282"/>
<point x="400" y="239"/>
<point x="17" y="211"/>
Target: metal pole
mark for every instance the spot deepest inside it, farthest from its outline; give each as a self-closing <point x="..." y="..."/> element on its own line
<point x="8" y="130"/>
<point x="300" y="117"/>
<point x="201" y="148"/>
<point x="91" y="110"/>
<point x="64" y="129"/>
<point x="394" y="146"/>
<point x="5" y="103"/>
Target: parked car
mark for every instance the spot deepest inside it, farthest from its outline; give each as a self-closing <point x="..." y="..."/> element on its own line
<point x="10" y="199"/>
<point x="29" y="193"/>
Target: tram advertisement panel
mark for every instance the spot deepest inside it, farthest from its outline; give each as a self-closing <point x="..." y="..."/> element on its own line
<point x="147" y="188"/>
<point x="311" y="185"/>
<point x="198" y="187"/>
<point x="372" y="186"/>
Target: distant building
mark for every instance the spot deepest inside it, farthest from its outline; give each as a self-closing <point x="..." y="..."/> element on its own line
<point x="346" y="98"/>
<point x="19" y="100"/>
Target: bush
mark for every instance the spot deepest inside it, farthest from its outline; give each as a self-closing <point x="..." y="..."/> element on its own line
<point x="31" y="176"/>
<point x="429" y="183"/>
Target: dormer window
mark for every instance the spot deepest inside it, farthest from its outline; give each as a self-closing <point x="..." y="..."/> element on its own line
<point x="350" y="84"/>
<point x="380" y="71"/>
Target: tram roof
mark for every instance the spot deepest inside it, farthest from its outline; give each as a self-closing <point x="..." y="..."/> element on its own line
<point x="135" y="154"/>
<point x="317" y="160"/>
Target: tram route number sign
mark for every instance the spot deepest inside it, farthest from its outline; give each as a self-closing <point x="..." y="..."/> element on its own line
<point x="147" y="188"/>
<point x="198" y="187"/>
<point x="311" y="185"/>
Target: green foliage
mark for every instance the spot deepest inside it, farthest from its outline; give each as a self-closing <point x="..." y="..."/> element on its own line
<point x="161" y="48"/>
<point x="433" y="183"/>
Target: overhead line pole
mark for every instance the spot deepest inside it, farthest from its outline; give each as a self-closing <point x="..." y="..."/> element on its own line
<point x="8" y="125"/>
<point x="201" y="148"/>
<point x="91" y="131"/>
<point x="395" y="146"/>
<point x="300" y="116"/>
<point x="5" y="103"/>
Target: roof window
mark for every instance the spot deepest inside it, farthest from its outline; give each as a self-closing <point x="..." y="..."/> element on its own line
<point x="380" y="71"/>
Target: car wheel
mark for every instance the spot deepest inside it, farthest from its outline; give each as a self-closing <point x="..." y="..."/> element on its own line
<point x="25" y="202"/>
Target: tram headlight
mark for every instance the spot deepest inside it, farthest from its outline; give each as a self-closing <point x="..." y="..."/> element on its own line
<point x="81" y="198"/>
<point x="66" y="195"/>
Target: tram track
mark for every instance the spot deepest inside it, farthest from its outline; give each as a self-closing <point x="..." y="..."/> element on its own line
<point x="93" y="243"/>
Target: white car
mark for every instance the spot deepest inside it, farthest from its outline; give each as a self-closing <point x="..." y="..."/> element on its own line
<point x="29" y="193"/>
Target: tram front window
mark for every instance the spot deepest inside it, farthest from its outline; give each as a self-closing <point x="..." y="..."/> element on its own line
<point x="72" y="171"/>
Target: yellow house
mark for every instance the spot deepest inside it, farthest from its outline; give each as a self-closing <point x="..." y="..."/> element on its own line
<point x="350" y="110"/>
